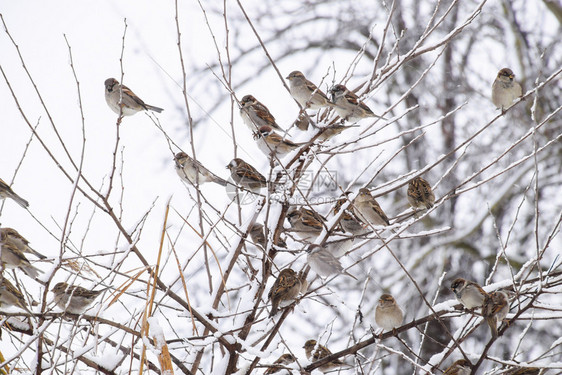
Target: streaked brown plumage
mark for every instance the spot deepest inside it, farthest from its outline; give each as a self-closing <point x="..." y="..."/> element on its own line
<point x="122" y="100"/>
<point x="286" y="288"/>
<point x="10" y="295"/>
<point x="366" y="207"/>
<point x="420" y="194"/>
<point x="73" y="298"/>
<point x="280" y="363"/>
<point x="315" y="352"/>
<point x="495" y="309"/>
<point x="460" y="367"/>
<point x="12" y="235"/>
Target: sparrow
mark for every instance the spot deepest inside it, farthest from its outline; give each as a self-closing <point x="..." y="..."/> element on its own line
<point x="286" y="288"/>
<point x="73" y="298"/>
<point x="19" y="241"/>
<point x="306" y="223"/>
<point x="468" y="293"/>
<point x="315" y="352"/>
<point x="420" y="194"/>
<point x="10" y="295"/>
<point x="270" y="142"/>
<point x="504" y="89"/>
<point x="257" y="234"/>
<point x="306" y="93"/>
<point x="495" y="309"/>
<point x="255" y="114"/>
<point x="460" y="367"/>
<point x="191" y="170"/>
<point x="368" y="210"/>
<point x="349" y="221"/>
<point x="388" y="315"/>
<point x="246" y="176"/>
<point x="323" y="262"/>
<point x="280" y="364"/>
<point x="7" y="192"/>
<point x="330" y="131"/>
<point x="12" y="257"/>
<point x="122" y="100"/>
<point x="524" y="371"/>
<point x="348" y="105"/>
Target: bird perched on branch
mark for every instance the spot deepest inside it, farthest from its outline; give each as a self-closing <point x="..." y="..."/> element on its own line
<point x="7" y="192"/>
<point x="306" y="223"/>
<point x="323" y="262"/>
<point x="366" y="207"/>
<point x="306" y="93"/>
<point x="280" y="363"/>
<point x="460" y="367"/>
<point x="469" y="293"/>
<point x="271" y="143"/>
<point x="348" y="105"/>
<point x="73" y="298"/>
<point x="349" y="221"/>
<point x="192" y="171"/>
<point x="505" y="89"/>
<point x="123" y="101"/>
<point x="524" y="371"/>
<point x="255" y="114"/>
<point x="12" y="257"/>
<point x="495" y="309"/>
<point x="246" y="176"/>
<point x="420" y="194"/>
<point x="19" y="241"/>
<point x="388" y="315"/>
<point x="10" y="295"/>
<point x="315" y="352"/>
<point x="257" y="234"/>
<point x="286" y="288"/>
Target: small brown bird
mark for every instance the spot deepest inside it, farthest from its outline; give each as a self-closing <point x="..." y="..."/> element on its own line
<point x="420" y="194"/>
<point x="19" y="241"/>
<point x="505" y="89"/>
<point x="306" y="93"/>
<point x="367" y="209"/>
<point x="524" y="371"/>
<point x="286" y="288"/>
<point x="7" y="192"/>
<point x="323" y="262"/>
<point x="315" y="352"/>
<point x="270" y="142"/>
<point x="246" y="176"/>
<point x="495" y="309"/>
<point x="349" y="221"/>
<point x="460" y="367"/>
<point x="257" y="234"/>
<point x="280" y="363"/>
<point x="255" y="114"/>
<point x="470" y="294"/>
<point x="348" y="105"/>
<point x="388" y="315"/>
<point x="306" y="223"/>
<point x="10" y="295"/>
<point x="73" y="298"/>
<point x="192" y="171"/>
<point x="12" y="257"/>
<point x="327" y="132"/>
<point x="122" y="100"/>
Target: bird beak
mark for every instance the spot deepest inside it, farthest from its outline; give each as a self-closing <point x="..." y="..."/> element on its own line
<point x="511" y="76"/>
